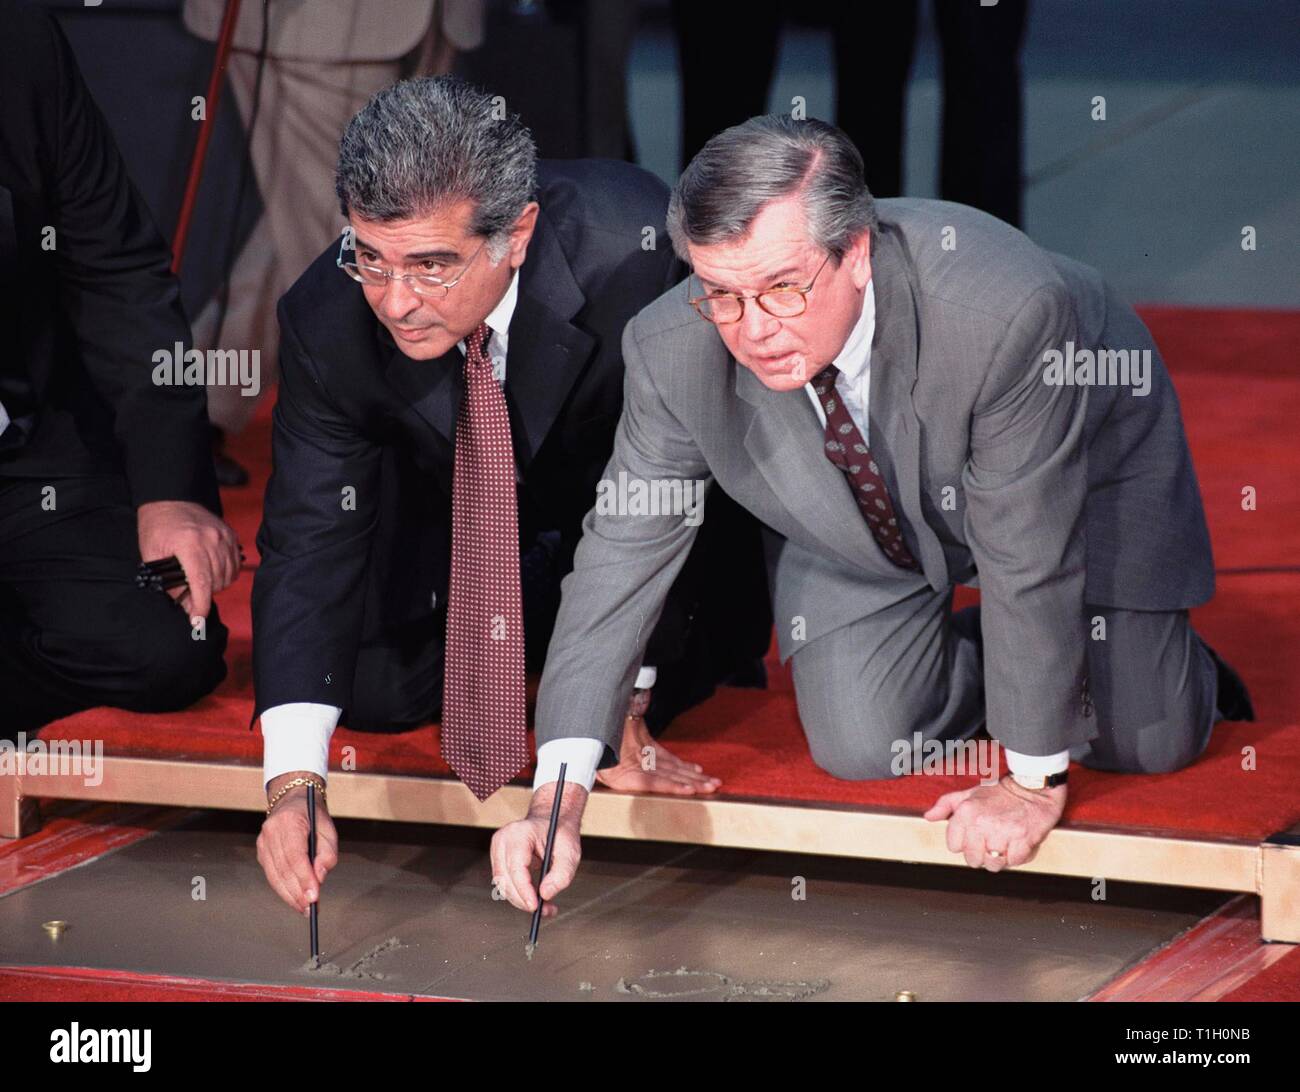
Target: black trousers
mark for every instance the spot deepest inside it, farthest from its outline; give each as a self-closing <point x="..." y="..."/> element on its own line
<point x="75" y="631"/>
<point x="720" y="631"/>
<point x="873" y="44"/>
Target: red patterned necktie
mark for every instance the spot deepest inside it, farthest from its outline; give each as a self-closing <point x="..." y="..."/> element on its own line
<point x="483" y="731"/>
<point x="846" y="448"/>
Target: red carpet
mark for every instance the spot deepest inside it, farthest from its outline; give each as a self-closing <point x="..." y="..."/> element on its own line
<point x="1234" y="373"/>
<point x="91" y="984"/>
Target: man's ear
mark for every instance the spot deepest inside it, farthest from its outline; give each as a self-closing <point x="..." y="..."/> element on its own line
<point x="522" y="233"/>
<point x="858" y="257"/>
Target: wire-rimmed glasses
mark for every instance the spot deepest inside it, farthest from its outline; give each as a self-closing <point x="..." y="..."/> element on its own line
<point x="782" y="301"/>
<point x="422" y="284"/>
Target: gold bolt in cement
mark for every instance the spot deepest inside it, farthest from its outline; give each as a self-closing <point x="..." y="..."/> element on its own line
<point x="55" y="928"/>
<point x="904" y="995"/>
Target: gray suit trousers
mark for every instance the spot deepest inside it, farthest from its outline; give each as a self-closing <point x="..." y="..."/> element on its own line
<point x="865" y="689"/>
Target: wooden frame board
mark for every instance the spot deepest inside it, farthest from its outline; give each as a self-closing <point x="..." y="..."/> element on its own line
<point x="1270" y="869"/>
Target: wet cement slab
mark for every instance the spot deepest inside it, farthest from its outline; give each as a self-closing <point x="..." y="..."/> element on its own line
<point x="409" y="909"/>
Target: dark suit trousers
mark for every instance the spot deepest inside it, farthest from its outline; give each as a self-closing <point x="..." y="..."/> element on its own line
<point x="75" y="631"/>
<point x="864" y="690"/>
<point x="720" y="630"/>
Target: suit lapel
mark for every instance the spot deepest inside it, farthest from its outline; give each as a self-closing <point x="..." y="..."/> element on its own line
<point x="547" y="352"/>
<point x="784" y="437"/>
<point x="546" y="355"/>
<point x="895" y="428"/>
<point x="432" y="391"/>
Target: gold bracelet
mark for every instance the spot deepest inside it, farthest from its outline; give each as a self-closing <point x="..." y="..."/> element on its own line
<point x="320" y="788"/>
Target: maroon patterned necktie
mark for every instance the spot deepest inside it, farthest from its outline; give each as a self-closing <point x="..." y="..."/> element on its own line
<point x="483" y="733"/>
<point x="846" y="448"/>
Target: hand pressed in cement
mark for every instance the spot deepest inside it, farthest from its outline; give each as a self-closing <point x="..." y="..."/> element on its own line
<point x="1003" y="817"/>
<point x="282" y="846"/>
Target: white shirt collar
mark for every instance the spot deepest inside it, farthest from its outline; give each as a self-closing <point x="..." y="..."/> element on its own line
<point x="499" y="317"/>
<point x="855" y="357"/>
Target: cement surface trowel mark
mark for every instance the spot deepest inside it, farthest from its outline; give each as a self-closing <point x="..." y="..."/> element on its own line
<point x="685" y="982"/>
<point x="360" y="968"/>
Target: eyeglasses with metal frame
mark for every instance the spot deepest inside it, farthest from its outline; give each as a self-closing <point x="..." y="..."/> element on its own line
<point x="781" y="301"/>
<point x="422" y="284"/>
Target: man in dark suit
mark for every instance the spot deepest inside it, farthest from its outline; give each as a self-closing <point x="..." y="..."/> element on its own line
<point x="99" y="465"/>
<point x="492" y="299"/>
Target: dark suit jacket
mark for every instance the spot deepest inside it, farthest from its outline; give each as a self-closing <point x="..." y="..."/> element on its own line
<point x="353" y="411"/>
<point x="87" y="293"/>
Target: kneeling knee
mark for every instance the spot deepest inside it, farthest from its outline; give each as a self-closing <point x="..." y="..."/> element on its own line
<point x="1153" y="750"/>
<point x="178" y="666"/>
<point x="858" y="766"/>
<point x="871" y="752"/>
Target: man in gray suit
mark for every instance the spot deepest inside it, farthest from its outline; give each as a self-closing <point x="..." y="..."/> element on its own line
<point x="909" y="395"/>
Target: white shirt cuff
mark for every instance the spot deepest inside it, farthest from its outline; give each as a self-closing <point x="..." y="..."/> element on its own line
<point x="580" y="752"/>
<point x="645" y="678"/>
<point x="1036" y="765"/>
<point x="296" y="736"/>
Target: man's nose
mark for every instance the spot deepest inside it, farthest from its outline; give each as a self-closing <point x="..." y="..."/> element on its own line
<point x="756" y="324"/>
<point x="398" y="299"/>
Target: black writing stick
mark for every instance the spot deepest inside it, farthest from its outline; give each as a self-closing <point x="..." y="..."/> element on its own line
<point x="546" y="861"/>
<point x="311" y="858"/>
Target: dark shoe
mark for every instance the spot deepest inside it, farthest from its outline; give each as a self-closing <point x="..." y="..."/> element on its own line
<point x="1234" y="699"/>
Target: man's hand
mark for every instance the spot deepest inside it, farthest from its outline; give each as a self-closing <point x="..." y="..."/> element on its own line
<point x="1002" y="817"/>
<point x="517" y="845"/>
<point x="282" y="845"/>
<point x="645" y="765"/>
<point x="206" y="547"/>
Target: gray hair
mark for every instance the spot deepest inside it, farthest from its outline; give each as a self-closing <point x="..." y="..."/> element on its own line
<point x="423" y="142"/>
<point x="741" y="169"/>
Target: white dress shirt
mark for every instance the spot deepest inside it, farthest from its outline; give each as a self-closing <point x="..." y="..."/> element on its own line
<point x="296" y="735"/>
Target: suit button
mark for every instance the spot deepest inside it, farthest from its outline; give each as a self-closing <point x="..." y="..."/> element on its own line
<point x="433" y="601"/>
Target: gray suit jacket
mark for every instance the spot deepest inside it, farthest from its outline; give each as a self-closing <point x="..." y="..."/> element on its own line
<point x="1048" y="496"/>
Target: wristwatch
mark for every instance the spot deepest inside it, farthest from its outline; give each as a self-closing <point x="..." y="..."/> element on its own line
<point x="639" y="702"/>
<point x="1041" y="781"/>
